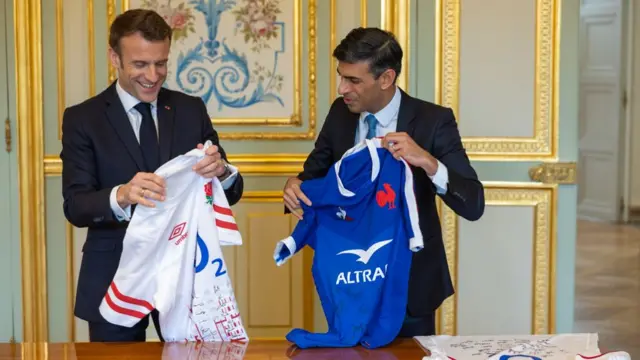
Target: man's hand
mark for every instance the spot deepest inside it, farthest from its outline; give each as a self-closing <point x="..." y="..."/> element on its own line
<point x="401" y="145"/>
<point x="212" y="164"/>
<point x="292" y="194"/>
<point x="140" y="189"/>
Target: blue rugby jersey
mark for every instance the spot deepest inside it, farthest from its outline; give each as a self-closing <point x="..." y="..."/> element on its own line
<point x="363" y="227"/>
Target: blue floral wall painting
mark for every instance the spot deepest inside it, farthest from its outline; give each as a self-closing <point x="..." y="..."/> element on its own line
<point x="237" y="55"/>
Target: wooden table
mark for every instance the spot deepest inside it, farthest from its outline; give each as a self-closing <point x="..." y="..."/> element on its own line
<point x="256" y="350"/>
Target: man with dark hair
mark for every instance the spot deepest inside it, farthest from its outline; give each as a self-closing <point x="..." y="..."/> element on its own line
<point x="423" y="134"/>
<point x="111" y="145"/>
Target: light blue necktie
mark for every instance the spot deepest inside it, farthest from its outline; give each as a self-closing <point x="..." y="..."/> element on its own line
<point x="372" y="122"/>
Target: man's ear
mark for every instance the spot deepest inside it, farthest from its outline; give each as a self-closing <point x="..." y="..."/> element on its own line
<point x="387" y="79"/>
<point x="114" y="58"/>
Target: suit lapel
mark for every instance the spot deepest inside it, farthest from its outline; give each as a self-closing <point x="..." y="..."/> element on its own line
<point x="120" y="121"/>
<point x="406" y="114"/>
<point x="348" y="138"/>
<point x="165" y="124"/>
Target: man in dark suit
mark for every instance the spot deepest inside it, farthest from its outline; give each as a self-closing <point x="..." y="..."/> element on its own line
<point x="422" y="133"/>
<point x="111" y="146"/>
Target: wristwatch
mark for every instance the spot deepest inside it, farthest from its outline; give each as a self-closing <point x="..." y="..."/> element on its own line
<point x="227" y="171"/>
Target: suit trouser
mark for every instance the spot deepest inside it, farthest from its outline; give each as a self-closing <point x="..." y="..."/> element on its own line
<point x="107" y="332"/>
<point x="418" y="326"/>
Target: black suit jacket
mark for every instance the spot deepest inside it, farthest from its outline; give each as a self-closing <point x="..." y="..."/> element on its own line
<point x="434" y="129"/>
<point x="99" y="152"/>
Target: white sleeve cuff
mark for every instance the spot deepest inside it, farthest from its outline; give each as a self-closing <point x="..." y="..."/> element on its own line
<point x="282" y="254"/>
<point x="441" y="178"/>
<point x="120" y="214"/>
<point x="228" y="182"/>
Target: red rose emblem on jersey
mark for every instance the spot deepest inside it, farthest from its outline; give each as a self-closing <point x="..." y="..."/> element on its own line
<point x="208" y="192"/>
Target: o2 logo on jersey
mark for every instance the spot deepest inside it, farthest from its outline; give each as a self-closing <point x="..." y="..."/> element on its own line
<point x="204" y="259"/>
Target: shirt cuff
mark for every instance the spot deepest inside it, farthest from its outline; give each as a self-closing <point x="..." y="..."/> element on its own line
<point x="120" y="214"/>
<point x="228" y="182"/>
<point x="441" y="178"/>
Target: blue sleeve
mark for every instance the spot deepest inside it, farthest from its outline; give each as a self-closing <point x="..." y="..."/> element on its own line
<point x="304" y="232"/>
<point x="410" y="209"/>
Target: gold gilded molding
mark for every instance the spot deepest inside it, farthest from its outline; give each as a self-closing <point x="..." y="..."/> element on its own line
<point x="363" y="13"/>
<point x="554" y="173"/>
<point x="269" y="164"/>
<point x="52" y="165"/>
<point x="30" y="350"/>
<point x="394" y="16"/>
<point x="248" y="164"/>
<point x="262" y="196"/>
<point x="111" y="15"/>
<point x="332" y="45"/>
<point x="29" y="98"/>
<point x="449" y="308"/>
<point x="60" y="63"/>
<point x="543" y="198"/>
<point x="71" y="294"/>
<point x="296" y="118"/>
<point x="447" y="53"/>
<point x="92" y="48"/>
<point x="544" y="143"/>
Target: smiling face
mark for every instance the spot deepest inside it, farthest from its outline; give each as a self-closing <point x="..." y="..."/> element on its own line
<point x="142" y="65"/>
<point x="360" y="90"/>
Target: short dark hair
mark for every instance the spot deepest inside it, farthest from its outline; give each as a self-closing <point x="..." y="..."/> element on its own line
<point x="147" y="22"/>
<point x="377" y="47"/>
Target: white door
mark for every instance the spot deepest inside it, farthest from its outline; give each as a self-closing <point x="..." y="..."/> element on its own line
<point x="601" y="114"/>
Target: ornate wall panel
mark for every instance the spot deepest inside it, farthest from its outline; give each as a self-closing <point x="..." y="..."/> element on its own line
<point x="522" y="299"/>
<point x="517" y="56"/>
<point x="248" y="72"/>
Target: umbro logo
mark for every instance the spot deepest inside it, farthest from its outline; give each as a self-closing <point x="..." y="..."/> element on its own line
<point x="178" y="232"/>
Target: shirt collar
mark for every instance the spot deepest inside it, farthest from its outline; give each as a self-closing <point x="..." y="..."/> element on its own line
<point x="128" y="100"/>
<point x="389" y="112"/>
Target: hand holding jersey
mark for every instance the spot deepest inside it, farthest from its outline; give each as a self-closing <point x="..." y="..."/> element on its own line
<point x="292" y="194"/>
<point x="212" y="164"/>
<point x="400" y="144"/>
<point x="145" y="186"/>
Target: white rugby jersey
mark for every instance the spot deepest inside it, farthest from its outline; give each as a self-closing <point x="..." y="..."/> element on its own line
<point x="172" y="260"/>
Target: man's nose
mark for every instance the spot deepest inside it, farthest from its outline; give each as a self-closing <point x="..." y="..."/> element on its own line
<point x="343" y="87"/>
<point x="152" y="74"/>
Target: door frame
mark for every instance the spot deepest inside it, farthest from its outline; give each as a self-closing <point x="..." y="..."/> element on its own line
<point x="27" y="35"/>
<point x="628" y="111"/>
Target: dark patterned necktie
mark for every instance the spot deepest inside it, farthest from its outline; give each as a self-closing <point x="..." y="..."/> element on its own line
<point x="148" y="138"/>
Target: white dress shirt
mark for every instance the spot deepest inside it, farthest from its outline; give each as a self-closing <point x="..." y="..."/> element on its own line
<point x="387" y="122"/>
<point x="129" y="102"/>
